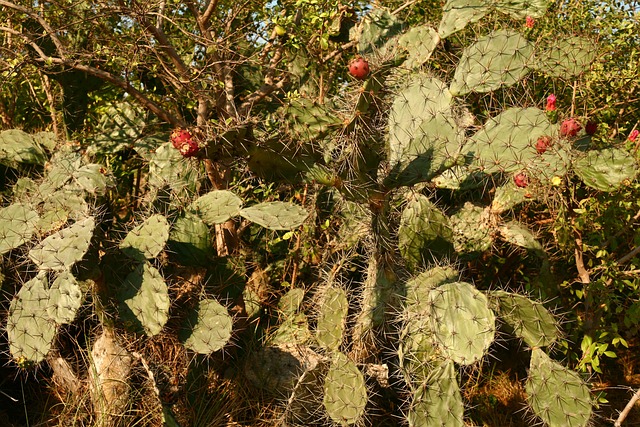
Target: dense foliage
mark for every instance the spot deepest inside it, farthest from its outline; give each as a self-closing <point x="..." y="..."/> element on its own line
<point x="305" y="213"/>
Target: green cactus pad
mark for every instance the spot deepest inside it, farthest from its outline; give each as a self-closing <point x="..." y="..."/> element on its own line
<point x="61" y="250"/>
<point x="438" y="402"/>
<point x="471" y="229"/>
<point x="209" y="328"/>
<point x="457" y="14"/>
<point x="293" y="330"/>
<point x="378" y="27"/>
<point x="217" y="206"/>
<point x="276" y="215"/>
<point x="30" y="331"/>
<point x="147" y="240"/>
<point x="290" y="302"/>
<point x="345" y="392"/>
<point x="567" y="56"/>
<point x="60" y="168"/>
<point x="520" y="9"/>
<point x="189" y="240"/>
<point x="311" y="121"/>
<point x="418" y="288"/>
<point x="557" y="395"/>
<point x="423" y="231"/>
<point x="424" y="139"/>
<point x="332" y="318"/>
<point x="606" y="170"/>
<point x="60" y="206"/>
<point x="417" y="352"/>
<point x="169" y="170"/>
<point x="527" y="319"/>
<point x="18" y="147"/>
<point x="17" y="225"/>
<point x="144" y="300"/>
<point x="507" y="196"/>
<point x="498" y="59"/>
<point x="419" y="42"/>
<point x="65" y="298"/>
<point x="92" y="178"/>
<point x="518" y="234"/>
<point x="304" y="406"/>
<point x="506" y="143"/>
<point x="462" y="322"/>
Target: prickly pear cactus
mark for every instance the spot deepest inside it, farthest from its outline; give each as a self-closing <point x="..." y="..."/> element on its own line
<point x="275" y="215"/>
<point x="61" y="250"/>
<point x="208" y="328"/>
<point x="30" y="330"/>
<point x="17" y="225"/>
<point x="345" y="392"/>
<point x="146" y="240"/>
<point x="332" y="318"/>
<point x="607" y="169"/>
<point x="144" y="299"/>
<point x="557" y="395"/>
<point x="65" y="298"/>
<point x="437" y="401"/>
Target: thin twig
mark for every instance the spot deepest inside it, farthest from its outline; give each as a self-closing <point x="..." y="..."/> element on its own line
<point x="627" y="409"/>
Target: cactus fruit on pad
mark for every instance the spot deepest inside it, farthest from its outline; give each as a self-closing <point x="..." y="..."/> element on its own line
<point x="557" y="395"/>
<point x="17" y="224"/>
<point x="276" y="215"/>
<point x="462" y="322"/>
<point x="345" y="392"/>
<point x="144" y="299"/>
<point x="507" y="141"/>
<point x="208" y="327"/>
<point x="498" y="59"/>
<point x="332" y="318"/>
<point x="30" y="331"/>
<point x="607" y="169"/>
<point x="527" y="319"/>
<point x="146" y="240"/>
<point x="438" y="402"/>
<point x="61" y="250"/>
<point x="217" y="206"/>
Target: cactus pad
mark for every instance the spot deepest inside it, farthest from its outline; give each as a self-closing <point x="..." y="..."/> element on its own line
<point x="457" y="14"/>
<point x="557" y="395"/>
<point x="61" y="250"/>
<point x="506" y="143"/>
<point x="17" y="225"/>
<point x="276" y="215"/>
<point x="332" y="318"/>
<point x="566" y="57"/>
<point x="65" y="298"/>
<point x="378" y="27"/>
<point x="438" y="402"/>
<point x="606" y="170"/>
<point x="471" y="229"/>
<point x="209" y="328"/>
<point x="144" y="299"/>
<point x="290" y="302"/>
<point x="18" y="147"/>
<point x="463" y="324"/>
<point x="345" y="392"/>
<point x="498" y="59"/>
<point x="423" y="231"/>
<point x="528" y="319"/>
<point x="419" y="42"/>
<point x="217" y="206"/>
<point x="30" y="331"/>
<point x="147" y="240"/>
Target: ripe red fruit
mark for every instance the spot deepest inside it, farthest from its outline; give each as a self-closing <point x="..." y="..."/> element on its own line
<point x="591" y="128"/>
<point x="521" y="179"/>
<point x="183" y="141"/>
<point x="359" y="68"/>
<point x="570" y="128"/>
<point x="542" y="144"/>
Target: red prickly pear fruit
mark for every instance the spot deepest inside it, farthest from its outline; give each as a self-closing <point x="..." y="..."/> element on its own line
<point x="521" y="179"/>
<point x="542" y="144"/>
<point x="189" y="149"/>
<point x="591" y="128"/>
<point x="570" y="127"/>
<point x="359" y="68"/>
<point x="179" y="137"/>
